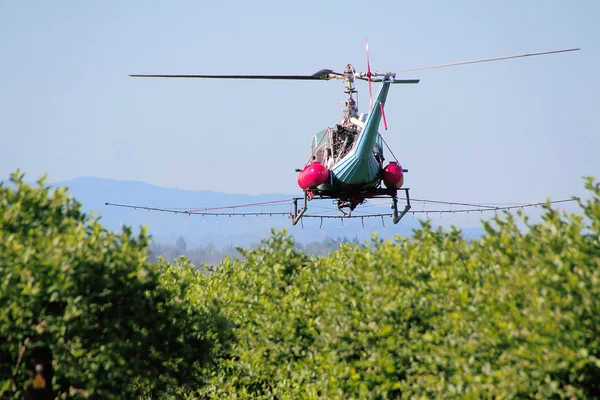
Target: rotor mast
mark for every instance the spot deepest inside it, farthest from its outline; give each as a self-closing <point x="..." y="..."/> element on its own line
<point x="349" y="76"/>
<point x="351" y="108"/>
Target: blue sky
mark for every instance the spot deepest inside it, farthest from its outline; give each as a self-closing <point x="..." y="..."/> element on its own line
<point x="511" y="131"/>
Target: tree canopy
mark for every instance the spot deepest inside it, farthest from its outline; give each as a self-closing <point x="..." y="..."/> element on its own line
<point x="513" y="314"/>
<point x="114" y="323"/>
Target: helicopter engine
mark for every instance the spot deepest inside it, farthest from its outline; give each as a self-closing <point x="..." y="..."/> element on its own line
<point x="393" y="175"/>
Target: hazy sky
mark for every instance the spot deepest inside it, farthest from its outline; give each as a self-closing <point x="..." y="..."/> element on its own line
<point x="519" y="130"/>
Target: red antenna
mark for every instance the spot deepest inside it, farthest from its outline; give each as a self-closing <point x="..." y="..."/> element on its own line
<point x="383" y="116"/>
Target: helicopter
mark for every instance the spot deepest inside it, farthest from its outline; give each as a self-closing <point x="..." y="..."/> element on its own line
<point x="347" y="162"/>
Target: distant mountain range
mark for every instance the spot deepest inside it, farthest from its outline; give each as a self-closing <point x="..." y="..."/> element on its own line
<point x="93" y="193"/>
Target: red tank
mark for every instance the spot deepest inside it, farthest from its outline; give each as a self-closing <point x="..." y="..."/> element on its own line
<point x="313" y="175"/>
<point x="393" y="176"/>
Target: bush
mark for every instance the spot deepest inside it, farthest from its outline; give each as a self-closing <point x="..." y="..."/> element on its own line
<point x="116" y="325"/>
<point x="514" y="314"/>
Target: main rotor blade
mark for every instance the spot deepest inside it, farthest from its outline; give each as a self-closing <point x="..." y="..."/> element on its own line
<point x="322" y="75"/>
<point x="487" y="60"/>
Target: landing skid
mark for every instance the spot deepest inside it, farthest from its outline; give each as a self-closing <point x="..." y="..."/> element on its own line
<point x="350" y="198"/>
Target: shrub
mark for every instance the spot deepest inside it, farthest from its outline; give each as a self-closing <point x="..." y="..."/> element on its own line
<point x="116" y="325"/>
<point x="514" y="314"/>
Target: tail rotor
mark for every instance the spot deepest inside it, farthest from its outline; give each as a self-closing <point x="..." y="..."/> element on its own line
<point x="369" y="74"/>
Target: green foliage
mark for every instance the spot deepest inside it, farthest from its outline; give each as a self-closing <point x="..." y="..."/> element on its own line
<point x="116" y="325"/>
<point x="515" y="314"/>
